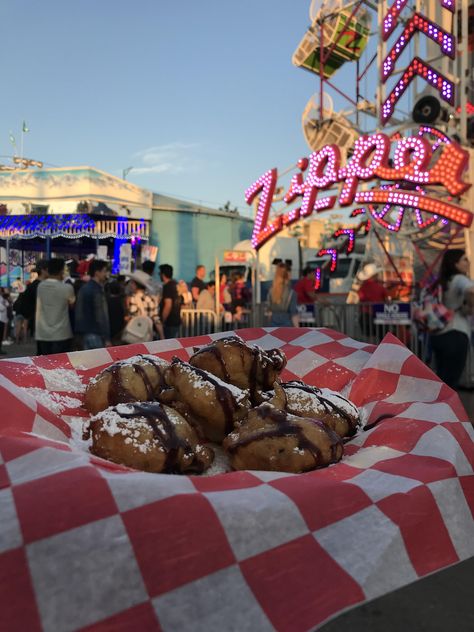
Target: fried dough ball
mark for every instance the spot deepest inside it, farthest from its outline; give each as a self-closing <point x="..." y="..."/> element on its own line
<point x="271" y="439"/>
<point x="246" y="366"/>
<point x="213" y="405"/>
<point x="140" y="378"/>
<point x="148" y="436"/>
<point x="337" y="412"/>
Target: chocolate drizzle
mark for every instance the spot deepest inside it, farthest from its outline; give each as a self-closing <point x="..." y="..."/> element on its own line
<point x="165" y="434"/>
<point x="223" y="394"/>
<point x="118" y="393"/>
<point x="217" y="353"/>
<point x="328" y="405"/>
<point x="263" y="363"/>
<point x="286" y="428"/>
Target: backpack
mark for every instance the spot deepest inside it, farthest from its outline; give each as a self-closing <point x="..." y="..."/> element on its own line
<point x="429" y="314"/>
<point x="138" y="329"/>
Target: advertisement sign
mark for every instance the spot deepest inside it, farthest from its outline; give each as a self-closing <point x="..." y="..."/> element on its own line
<point x="235" y="256"/>
<point x="392" y="314"/>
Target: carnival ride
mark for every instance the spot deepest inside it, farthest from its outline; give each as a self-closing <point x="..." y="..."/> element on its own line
<point x="415" y="57"/>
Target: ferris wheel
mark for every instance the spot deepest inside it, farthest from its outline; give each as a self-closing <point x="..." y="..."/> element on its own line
<point x="320" y="8"/>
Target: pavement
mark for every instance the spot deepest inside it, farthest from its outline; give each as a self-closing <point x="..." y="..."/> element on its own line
<point x="441" y="602"/>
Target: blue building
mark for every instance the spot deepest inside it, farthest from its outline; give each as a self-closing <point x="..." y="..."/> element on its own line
<point x="188" y="234"/>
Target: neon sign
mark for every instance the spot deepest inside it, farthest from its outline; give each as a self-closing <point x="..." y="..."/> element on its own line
<point x="416" y="67"/>
<point x="412" y="160"/>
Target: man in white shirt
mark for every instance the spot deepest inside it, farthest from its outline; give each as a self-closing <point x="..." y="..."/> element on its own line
<point x="53" y="331"/>
<point x="207" y="298"/>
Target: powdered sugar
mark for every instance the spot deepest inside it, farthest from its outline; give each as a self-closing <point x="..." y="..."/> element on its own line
<point x="147" y="357"/>
<point x="62" y="380"/>
<point x="53" y="401"/>
<point x="78" y="425"/>
<point x="221" y="463"/>
<point x="142" y="359"/>
<point x="201" y="383"/>
<point x="300" y="400"/>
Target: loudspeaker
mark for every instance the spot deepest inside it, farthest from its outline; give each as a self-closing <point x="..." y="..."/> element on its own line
<point x="428" y="110"/>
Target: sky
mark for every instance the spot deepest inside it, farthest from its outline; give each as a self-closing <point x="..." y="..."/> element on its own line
<point x="200" y="98"/>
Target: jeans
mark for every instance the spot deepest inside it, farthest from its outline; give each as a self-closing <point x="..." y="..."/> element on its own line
<point x="92" y="341"/>
<point x="281" y="319"/>
<point x="450" y="352"/>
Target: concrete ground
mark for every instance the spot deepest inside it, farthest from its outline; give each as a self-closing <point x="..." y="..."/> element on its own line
<point x="442" y="602"/>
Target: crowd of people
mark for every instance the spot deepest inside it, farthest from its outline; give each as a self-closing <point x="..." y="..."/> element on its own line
<point x="65" y="308"/>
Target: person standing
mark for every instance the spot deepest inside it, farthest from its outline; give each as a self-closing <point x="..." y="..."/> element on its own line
<point x="197" y="284"/>
<point x="27" y="305"/>
<point x="53" y="328"/>
<point x="281" y="299"/>
<point x="185" y="295"/>
<point x="92" y="315"/>
<point x="170" y="306"/>
<point x="207" y="298"/>
<point x="148" y="267"/>
<point x="3" y="318"/>
<point x="451" y="344"/>
<point x="304" y="288"/>
<point x="116" y="307"/>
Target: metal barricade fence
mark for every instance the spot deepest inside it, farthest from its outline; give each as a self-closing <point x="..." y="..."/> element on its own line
<point x="356" y="321"/>
<point x="199" y="322"/>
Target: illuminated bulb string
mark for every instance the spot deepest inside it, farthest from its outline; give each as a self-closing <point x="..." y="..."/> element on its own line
<point x="67" y="226"/>
<point x="317" y="279"/>
<point x="390" y="20"/>
<point x="349" y="232"/>
<point x="332" y="252"/>
<point x="426" y="72"/>
<point x="418" y="23"/>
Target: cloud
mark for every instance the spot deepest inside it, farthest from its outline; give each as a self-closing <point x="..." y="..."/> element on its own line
<point x="172" y="158"/>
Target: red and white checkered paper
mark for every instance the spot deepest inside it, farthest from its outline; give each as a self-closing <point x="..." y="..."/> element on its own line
<point x="86" y="544"/>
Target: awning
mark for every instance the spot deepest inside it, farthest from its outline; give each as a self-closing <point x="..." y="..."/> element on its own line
<point x="72" y="227"/>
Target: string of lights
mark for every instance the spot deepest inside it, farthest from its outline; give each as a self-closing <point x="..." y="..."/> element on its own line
<point x="71" y="227"/>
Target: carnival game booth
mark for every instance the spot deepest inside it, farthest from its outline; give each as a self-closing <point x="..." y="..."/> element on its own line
<point x="68" y="211"/>
<point x="90" y="544"/>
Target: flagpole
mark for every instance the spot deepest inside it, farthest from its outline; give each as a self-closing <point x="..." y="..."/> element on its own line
<point x="13" y="142"/>
<point x="24" y="129"/>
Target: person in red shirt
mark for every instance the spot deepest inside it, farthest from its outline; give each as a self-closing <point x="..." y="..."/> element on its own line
<point x="372" y="289"/>
<point x="304" y="288"/>
<point x="306" y="297"/>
